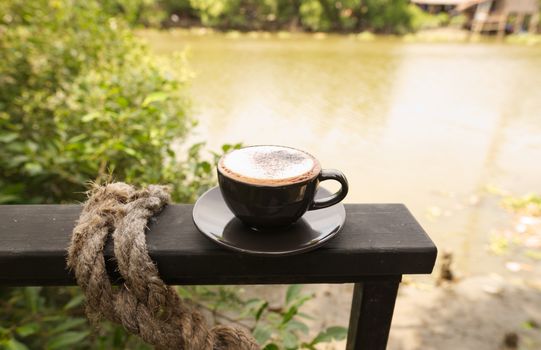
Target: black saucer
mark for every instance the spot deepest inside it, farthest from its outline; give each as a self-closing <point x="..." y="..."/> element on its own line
<point x="214" y="219"/>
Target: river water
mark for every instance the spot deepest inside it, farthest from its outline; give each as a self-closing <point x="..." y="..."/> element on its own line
<point x="431" y="125"/>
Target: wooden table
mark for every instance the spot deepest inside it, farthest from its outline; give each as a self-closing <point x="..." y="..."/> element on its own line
<point x="378" y="244"/>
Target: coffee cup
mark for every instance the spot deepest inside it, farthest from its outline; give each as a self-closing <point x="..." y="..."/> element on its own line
<point x="271" y="186"/>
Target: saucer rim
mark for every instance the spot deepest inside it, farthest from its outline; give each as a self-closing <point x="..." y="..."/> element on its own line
<point x="305" y="249"/>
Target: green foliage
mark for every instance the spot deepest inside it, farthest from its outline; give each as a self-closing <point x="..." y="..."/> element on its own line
<point x="136" y="12"/>
<point x="81" y="98"/>
<point x="423" y="20"/>
<point x="52" y="318"/>
<point x="458" y="21"/>
<point x="277" y="327"/>
<point x="210" y="11"/>
<point x="236" y="14"/>
<point x="312" y="17"/>
<point x="389" y="16"/>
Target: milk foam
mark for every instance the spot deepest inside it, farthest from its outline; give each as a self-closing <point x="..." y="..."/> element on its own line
<point x="269" y="165"/>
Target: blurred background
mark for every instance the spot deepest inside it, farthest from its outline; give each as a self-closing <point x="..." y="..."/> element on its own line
<point x="434" y="103"/>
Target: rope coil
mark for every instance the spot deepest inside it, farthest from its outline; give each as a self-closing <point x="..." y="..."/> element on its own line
<point x="143" y="304"/>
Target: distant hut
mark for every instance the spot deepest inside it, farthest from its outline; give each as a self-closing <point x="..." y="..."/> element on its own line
<point x="493" y="15"/>
<point x="488" y="15"/>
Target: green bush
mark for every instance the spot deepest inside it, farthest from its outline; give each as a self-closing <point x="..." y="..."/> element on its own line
<point x="81" y="98"/>
<point x="312" y="17"/>
<point x="52" y="318"/>
<point x="458" y="21"/>
<point x="234" y="14"/>
<point x="137" y="12"/>
<point x="388" y="16"/>
<point x="274" y="328"/>
<point x="423" y="20"/>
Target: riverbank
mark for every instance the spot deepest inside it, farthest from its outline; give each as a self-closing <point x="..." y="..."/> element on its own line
<point x="438" y="35"/>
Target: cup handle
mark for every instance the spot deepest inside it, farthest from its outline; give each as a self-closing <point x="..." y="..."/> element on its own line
<point x="331" y="174"/>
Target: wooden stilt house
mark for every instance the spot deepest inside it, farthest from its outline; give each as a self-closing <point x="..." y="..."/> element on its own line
<point x="493" y="15"/>
<point x="489" y="15"/>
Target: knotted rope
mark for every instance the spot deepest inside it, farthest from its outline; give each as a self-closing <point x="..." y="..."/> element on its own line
<point x="143" y="304"/>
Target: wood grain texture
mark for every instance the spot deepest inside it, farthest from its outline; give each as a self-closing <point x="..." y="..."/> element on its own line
<point x="377" y="240"/>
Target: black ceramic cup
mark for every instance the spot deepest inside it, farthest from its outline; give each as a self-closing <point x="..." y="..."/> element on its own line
<point x="270" y="206"/>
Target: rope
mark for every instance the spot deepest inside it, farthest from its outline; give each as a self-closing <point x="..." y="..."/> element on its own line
<point x="143" y="304"/>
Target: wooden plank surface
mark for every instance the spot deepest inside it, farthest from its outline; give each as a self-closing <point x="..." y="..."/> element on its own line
<point x="377" y="240"/>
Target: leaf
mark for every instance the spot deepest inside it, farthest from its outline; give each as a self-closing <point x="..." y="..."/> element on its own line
<point x="52" y="318"/>
<point x="260" y="310"/>
<point x="336" y="333"/>
<point x="90" y="117"/>
<point x="122" y="101"/>
<point x="293" y="292"/>
<point x="322" y="337"/>
<point x="13" y="344"/>
<point x="261" y="334"/>
<point x="27" y="329"/>
<point x="291" y="312"/>
<point x="78" y="138"/>
<point x="33" y="168"/>
<point x="252" y="303"/>
<point x="308" y="346"/>
<point x="130" y="151"/>
<point x="306" y="316"/>
<point x="8" y="137"/>
<point x="206" y="166"/>
<point x="32" y="298"/>
<point x="273" y="318"/>
<point x="184" y="292"/>
<point x="70" y="323"/>
<point x="65" y="339"/>
<point x="194" y="150"/>
<point x="74" y="302"/>
<point x="295" y="325"/>
<point x="7" y="198"/>
<point x="530" y="324"/>
<point x="32" y="146"/>
<point x="154" y="97"/>
<point x="18" y="160"/>
<point x="300" y="301"/>
<point x="271" y="346"/>
<point x="226" y="147"/>
<point x="290" y="340"/>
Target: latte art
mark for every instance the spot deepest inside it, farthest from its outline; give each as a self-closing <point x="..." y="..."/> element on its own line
<point x="269" y="165"/>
